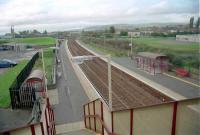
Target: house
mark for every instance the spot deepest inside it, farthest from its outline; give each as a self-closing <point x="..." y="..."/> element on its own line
<point x="134" y="34"/>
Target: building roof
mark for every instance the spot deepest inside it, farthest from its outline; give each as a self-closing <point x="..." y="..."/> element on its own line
<point x="151" y="55"/>
<point x="36" y="75"/>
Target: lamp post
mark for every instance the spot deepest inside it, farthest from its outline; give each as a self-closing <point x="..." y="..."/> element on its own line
<point x="81" y="59"/>
<point x="43" y="64"/>
<point x="131" y="44"/>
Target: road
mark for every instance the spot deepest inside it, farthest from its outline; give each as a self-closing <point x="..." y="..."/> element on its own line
<point x="70" y="93"/>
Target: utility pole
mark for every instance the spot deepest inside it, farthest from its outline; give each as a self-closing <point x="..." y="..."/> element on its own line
<point x="131" y="44"/>
<point x="13" y="37"/>
<point x="104" y="41"/>
<point x="81" y="59"/>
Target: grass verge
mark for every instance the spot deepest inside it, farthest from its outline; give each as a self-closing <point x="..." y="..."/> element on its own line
<point x="48" y="63"/>
<point x="6" y="79"/>
<point x="37" y="40"/>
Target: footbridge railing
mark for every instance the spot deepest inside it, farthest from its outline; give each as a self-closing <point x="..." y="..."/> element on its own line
<point x="173" y="118"/>
<point x="45" y="126"/>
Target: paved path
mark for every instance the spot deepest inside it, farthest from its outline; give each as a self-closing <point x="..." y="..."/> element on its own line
<point x="178" y="86"/>
<point x="10" y="119"/>
<point x="70" y="93"/>
<point x="184" y="89"/>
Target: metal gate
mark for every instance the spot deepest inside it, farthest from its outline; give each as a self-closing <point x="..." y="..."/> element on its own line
<point x="23" y="97"/>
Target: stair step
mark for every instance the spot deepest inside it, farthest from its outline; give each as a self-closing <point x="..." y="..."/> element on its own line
<point x="69" y="127"/>
<point x="80" y="132"/>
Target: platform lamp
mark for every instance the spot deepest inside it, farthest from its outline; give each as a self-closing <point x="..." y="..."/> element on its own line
<point x="81" y="59"/>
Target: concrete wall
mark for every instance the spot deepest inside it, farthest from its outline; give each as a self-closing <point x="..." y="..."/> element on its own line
<point x="155" y="120"/>
<point x="121" y="122"/>
<point x="24" y="131"/>
<point x="38" y="128"/>
<point x="188" y="118"/>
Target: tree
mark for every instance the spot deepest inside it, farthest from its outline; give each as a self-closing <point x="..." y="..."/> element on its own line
<point x="123" y="33"/>
<point x="191" y="22"/>
<point x="45" y="32"/>
<point x="198" y="22"/>
<point x="35" y="32"/>
<point x="112" y="29"/>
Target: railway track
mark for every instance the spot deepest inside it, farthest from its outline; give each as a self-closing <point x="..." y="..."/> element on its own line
<point x="128" y="92"/>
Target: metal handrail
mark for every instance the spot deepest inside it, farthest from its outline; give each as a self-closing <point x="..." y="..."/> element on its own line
<point x="36" y="111"/>
<point x="14" y="129"/>
<point x="102" y="123"/>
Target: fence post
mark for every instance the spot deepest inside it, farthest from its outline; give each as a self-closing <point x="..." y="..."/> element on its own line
<point x="11" y="97"/>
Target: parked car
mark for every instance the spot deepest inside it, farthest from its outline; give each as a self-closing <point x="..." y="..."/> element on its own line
<point x="5" y="63"/>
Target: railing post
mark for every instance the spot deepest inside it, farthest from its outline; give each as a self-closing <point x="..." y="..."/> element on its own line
<point x="102" y="117"/>
<point x="131" y="121"/>
<point x="47" y="125"/>
<point x="32" y="129"/>
<point x="94" y="117"/>
<point x="89" y="114"/>
<point x="112" y="120"/>
<point x="53" y="122"/>
<point x="42" y="127"/>
<point x="6" y="133"/>
<point x="173" y="132"/>
<point x="84" y="115"/>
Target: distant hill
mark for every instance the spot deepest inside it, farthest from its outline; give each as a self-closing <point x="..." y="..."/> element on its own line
<point x="130" y="26"/>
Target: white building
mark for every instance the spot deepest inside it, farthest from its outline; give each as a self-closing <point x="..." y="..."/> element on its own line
<point x="134" y="34"/>
<point x="188" y="38"/>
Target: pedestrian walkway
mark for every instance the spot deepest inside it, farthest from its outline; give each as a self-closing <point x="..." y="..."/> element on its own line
<point x="71" y="95"/>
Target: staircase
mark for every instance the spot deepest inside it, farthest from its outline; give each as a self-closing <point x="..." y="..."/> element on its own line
<point x="79" y="132"/>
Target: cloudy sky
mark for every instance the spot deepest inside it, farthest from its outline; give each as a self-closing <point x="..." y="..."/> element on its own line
<point x="66" y="14"/>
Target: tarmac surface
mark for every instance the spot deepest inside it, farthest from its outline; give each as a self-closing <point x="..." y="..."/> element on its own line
<point x="10" y="119"/>
<point x="15" y="56"/>
<point x="71" y="95"/>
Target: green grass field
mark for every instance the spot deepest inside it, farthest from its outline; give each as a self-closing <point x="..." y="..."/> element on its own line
<point x="37" y="40"/>
<point x="181" y="54"/>
<point x="169" y="44"/>
<point x="6" y="79"/>
<point x="48" y="63"/>
<point x="108" y="50"/>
